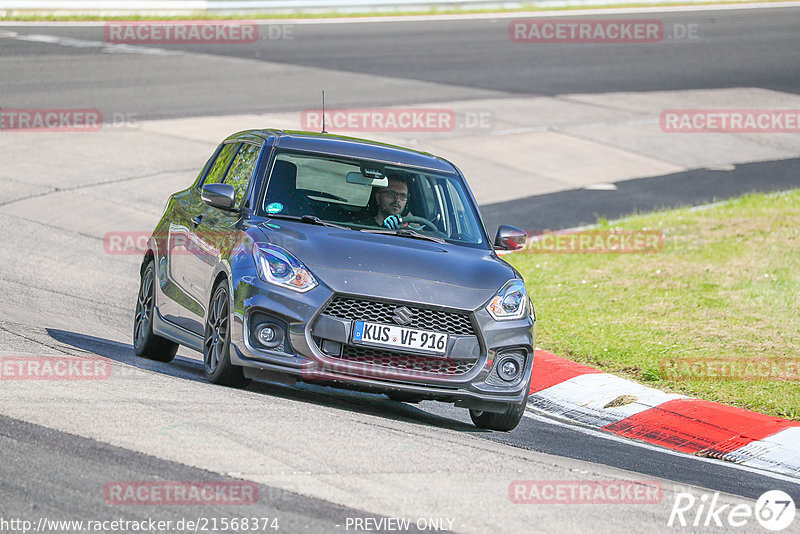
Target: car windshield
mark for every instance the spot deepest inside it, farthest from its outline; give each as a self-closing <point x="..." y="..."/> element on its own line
<point x="360" y="194"/>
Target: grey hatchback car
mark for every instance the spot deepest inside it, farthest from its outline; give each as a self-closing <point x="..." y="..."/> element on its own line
<point x="299" y="256"/>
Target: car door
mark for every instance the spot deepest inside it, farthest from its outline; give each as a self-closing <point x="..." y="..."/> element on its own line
<point x="217" y="232"/>
<point x="177" y="307"/>
<point x="190" y="244"/>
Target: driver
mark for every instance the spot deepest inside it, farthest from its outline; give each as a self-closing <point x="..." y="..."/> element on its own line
<point x="390" y="202"/>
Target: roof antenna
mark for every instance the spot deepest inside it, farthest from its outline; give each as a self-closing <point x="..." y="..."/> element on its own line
<point x="323" y="111"/>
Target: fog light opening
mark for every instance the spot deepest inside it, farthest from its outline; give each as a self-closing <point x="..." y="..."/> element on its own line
<point x="268" y="335"/>
<point x="509" y="370"/>
<point x="265" y="334"/>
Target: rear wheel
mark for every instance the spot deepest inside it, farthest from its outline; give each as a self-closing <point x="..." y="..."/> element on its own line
<point x="145" y="343"/>
<point x="504" y="422"/>
<point x="217" y="343"/>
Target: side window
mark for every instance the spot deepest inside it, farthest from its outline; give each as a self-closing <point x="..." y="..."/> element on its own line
<point x="217" y="171"/>
<point x="428" y="198"/>
<point x="465" y="226"/>
<point x="242" y="170"/>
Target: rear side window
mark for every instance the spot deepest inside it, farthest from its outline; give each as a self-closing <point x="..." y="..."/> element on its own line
<point x="242" y="170"/>
<point x="217" y="172"/>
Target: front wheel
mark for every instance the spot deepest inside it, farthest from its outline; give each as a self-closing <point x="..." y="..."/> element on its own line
<point x="217" y="342"/>
<point x="146" y="344"/>
<point x="504" y="422"/>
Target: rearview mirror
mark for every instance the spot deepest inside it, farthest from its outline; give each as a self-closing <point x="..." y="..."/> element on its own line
<point x="220" y="196"/>
<point x="510" y="238"/>
<point x="358" y="178"/>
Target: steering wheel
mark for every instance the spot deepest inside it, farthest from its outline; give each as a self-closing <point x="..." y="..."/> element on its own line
<point x="420" y="220"/>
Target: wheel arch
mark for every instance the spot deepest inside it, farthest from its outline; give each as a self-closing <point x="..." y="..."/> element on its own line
<point x="222" y="272"/>
<point x="149" y="255"/>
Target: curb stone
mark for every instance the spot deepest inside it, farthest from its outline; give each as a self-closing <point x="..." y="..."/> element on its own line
<point x="586" y="396"/>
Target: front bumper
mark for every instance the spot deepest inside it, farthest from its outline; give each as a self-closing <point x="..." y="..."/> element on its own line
<point x="317" y="347"/>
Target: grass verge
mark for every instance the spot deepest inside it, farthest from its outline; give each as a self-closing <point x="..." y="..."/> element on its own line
<point x="525" y="8"/>
<point x="715" y="314"/>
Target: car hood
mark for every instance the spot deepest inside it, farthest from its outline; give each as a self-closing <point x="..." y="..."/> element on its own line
<point x="393" y="267"/>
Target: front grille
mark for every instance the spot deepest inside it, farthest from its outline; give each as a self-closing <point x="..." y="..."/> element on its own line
<point x="411" y="363"/>
<point x="448" y="322"/>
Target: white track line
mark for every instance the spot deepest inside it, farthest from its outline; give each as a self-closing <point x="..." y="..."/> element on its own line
<point x="109" y="48"/>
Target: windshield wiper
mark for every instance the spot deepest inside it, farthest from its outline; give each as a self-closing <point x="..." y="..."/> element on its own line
<point x="308" y="219"/>
<point x="405" y="232"/>
<point x="313" y="219"/>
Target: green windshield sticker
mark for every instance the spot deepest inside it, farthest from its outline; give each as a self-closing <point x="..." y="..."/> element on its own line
<point x="275" y="207"/>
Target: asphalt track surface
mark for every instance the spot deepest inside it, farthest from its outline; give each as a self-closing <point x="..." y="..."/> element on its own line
<point x="52" y="474"/>
<point x="745" y="48"/>
<point x="45" y="471"/>
<point x="578" y="207"/>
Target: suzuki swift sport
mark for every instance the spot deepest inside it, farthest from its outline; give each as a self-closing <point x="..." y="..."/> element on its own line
<point x="344" y="262"/>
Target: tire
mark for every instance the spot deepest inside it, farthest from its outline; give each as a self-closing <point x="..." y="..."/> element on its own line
<point x="217" y="342"/>
<point x="145" y="343"/>
<point x="503" y="422"/>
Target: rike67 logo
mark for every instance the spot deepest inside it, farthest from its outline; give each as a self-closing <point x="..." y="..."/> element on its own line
<point x="774" y="510"/>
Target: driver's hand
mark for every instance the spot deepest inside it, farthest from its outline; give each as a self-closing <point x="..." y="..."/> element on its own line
<point x="392" y="222"/>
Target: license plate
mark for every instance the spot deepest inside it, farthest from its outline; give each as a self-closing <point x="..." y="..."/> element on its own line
<point x="399" y="337"/>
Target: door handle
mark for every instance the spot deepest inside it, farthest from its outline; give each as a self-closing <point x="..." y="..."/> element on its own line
<point x="197" y="219"/>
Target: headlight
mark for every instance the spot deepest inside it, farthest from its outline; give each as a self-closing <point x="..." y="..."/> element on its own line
<point x="510" y="301"/>
<point x="279" y="267"/>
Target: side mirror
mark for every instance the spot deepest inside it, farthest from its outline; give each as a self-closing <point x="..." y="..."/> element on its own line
<point x="510" y="238"/>
<point x="220" y="196"/>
